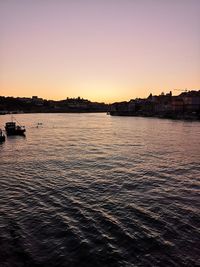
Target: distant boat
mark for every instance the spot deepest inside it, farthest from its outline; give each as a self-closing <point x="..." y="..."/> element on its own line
<point x="13" y="129"/>
<point x="2" y="136"/>
<point x="39" y="124"/>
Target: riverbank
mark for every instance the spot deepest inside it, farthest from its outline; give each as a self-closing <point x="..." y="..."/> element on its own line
<point x="189" y="117"/>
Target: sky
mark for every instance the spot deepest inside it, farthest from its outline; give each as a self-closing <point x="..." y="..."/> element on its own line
<point x="102" y="50"/>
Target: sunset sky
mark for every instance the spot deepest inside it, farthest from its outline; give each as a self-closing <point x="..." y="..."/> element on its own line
<point x="103" y="50"/>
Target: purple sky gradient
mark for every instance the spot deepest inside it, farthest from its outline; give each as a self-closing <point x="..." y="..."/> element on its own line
<point x="104" y="50"/>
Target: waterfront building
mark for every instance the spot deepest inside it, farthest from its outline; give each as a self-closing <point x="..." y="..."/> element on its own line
<point x="191" y="101"/>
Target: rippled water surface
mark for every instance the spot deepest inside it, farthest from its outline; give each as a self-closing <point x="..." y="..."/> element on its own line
<point x="94" y="190"/>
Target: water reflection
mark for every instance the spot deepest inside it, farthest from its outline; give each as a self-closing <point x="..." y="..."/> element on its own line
<point x="90" y="189"/>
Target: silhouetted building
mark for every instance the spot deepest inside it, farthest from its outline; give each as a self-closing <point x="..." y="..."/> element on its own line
<point x="191" y="101"/>
<point x="177" y="104"/>
<point x="163" y="105"/>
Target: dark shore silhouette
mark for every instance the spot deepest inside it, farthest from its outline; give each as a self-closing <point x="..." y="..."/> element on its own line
<point x="39" y="105"/>
<point x="184" y="106"/>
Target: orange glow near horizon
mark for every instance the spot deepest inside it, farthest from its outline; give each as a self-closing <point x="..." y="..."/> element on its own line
<point x="101" y="51"/>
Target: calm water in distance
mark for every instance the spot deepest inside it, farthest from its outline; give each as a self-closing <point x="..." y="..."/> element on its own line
<point x="95" y="190"/>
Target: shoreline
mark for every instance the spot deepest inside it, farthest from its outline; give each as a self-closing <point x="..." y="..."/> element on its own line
<point x="174" y="117"/>
<point x="185" y="117"/>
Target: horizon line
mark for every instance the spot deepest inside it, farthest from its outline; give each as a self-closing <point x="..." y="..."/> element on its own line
<point x="100" y="101"/>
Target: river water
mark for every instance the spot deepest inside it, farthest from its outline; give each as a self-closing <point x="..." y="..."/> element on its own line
<point x="95" y="190"/>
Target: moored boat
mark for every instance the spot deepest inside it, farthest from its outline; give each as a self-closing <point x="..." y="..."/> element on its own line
<point x="2" y="136"/>
<point x="13" y="129"/>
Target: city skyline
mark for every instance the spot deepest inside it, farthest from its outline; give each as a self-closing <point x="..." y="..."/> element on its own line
<point x="103" y="51"/>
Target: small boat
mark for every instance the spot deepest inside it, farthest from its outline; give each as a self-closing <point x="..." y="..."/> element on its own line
<point x="39" y="124"/>
<point x="13" y="129"/>
<point x="2" y="137"/>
